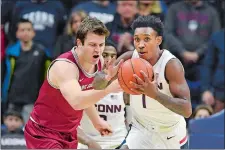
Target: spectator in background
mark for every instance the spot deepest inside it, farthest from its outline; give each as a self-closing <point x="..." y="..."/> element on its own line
<point x="69" y="4"/>
<point x="103" y="10"/>
<point x="150" y="8"/>
<point x="13" y="122"/>
<point x="25" y="70"/>
<point x="47" y="16"/>
<point x="120" y="27"/>
<point x="202" y="111"/>
<point x="12" y="131"/>
<point x="188" y="27"/>
<point x="220" y="7"/>
<point x="2" y="50"/>
<point x="66" y="41"/>
<point x="212" y="72"/>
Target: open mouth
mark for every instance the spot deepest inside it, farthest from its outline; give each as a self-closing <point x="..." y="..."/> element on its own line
<point x="142" y="53"/>
<point x="95" y="56"/>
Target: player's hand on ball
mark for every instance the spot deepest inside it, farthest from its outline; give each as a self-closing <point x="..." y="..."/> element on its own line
<point x="146" y="86"/>
<point x="93" y="145"/>
<point x="104" y="128"/>
<point x="112" y="70"/>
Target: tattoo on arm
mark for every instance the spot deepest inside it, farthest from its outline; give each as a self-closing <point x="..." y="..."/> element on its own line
<point x="178" y="104"/>
<point x="100" y="82"/>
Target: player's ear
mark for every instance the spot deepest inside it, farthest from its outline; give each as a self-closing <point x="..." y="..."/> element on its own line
<point x="79" y="43"/>
<point x="159" y="40"/>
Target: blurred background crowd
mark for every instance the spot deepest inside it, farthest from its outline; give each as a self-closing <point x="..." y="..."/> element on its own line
<point x="194" y="32"/>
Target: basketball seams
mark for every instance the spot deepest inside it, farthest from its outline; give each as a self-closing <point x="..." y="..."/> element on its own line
<point x="145" y="67"/>
<point x="130" y="67"/>
<point x="124" y="83"/>
<point x="133" y="68"/>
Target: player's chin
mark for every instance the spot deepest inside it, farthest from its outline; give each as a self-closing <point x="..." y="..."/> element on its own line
<point x="95" y="60"/>
<point x="145" y="56"/>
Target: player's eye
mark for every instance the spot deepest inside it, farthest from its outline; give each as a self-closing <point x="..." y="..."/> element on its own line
<point x="113" y="56"/>
<point x="104" y="55"/>
<point x="147" y="39"/>
<point x="137" y="39"/>
<point x="93" y="45"/>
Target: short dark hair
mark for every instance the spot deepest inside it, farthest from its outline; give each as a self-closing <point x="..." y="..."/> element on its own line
<point x="110" y="43"/>
<point x="11" y="112"/>
<point x="93" y="25"/>
<point x="149" y="21"/>
<point x="22" y="20"/>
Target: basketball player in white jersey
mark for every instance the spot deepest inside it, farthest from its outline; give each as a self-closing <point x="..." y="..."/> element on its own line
<point x="111" y="108"/>
<point x="158" y="114"/>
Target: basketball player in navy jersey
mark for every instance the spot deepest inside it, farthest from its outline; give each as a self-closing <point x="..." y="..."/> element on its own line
<point x="158" y="114"/>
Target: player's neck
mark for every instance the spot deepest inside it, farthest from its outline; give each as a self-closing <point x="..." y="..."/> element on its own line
<point x="155" y="59"/>
<point x="26" y="46"/>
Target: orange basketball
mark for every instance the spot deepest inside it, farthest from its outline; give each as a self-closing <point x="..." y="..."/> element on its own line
<point x="130" y="67"/>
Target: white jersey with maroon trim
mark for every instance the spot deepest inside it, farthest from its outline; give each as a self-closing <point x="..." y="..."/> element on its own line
<point x="148" y="113"/>
<point x="112" y="109"/>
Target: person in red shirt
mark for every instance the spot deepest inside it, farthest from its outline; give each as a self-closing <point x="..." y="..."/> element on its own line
<point x="67" y="91"/>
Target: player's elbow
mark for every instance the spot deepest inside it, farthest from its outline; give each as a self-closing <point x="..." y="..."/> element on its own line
<point x="77" y="107"/>
<point x="76" y="104"/>
<point x="188" y="110"/>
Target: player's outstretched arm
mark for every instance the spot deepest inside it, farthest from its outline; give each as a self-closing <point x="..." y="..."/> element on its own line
<point x="104" y="78"/>
<point x="86" y="140"/>
<point x="64" y="75"/>
<point x="180" y="103"/>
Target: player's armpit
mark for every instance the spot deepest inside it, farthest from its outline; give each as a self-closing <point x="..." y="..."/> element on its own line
<point x="180" y="103"/>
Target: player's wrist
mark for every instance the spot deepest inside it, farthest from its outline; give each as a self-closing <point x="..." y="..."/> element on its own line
<point x="108" y="78"/>
<point x="157" y="95"/>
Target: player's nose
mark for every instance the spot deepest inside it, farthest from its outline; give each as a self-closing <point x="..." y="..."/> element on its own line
<point x="141" y="45"/>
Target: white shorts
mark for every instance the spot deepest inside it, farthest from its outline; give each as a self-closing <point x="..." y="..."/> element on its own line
<point x="104" y="145"/>
<point x="154" y="138"/>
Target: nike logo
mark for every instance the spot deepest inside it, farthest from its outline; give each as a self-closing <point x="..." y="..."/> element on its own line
<point x="170" y="137"/>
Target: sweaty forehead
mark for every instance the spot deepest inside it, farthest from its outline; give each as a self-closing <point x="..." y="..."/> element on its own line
<point x="144" y="31"/>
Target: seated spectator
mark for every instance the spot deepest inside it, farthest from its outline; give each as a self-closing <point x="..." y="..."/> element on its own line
<point x="188" y="27"/>
<point x="66" y="41"/>
<point x="25" y="70"/>
<point x="103" y="10"/>
<point x="12" y="131"/>
<point x="150" y="8"/>
<point x="120" y="28"/>
<point x="212" y="73"/>
<point x="47" y="16"/>
<point x="202" y="111"/>
<point x="13" y="122"/>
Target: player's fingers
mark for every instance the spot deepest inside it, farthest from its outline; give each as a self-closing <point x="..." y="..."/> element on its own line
<point x="139" y="80"/>
<point x="135" y="85"/>
<point x="145" y="76"/>
<point x="137" y="90"/>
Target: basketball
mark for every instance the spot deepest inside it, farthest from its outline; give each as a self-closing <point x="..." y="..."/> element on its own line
<point x="130" y="67"/>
